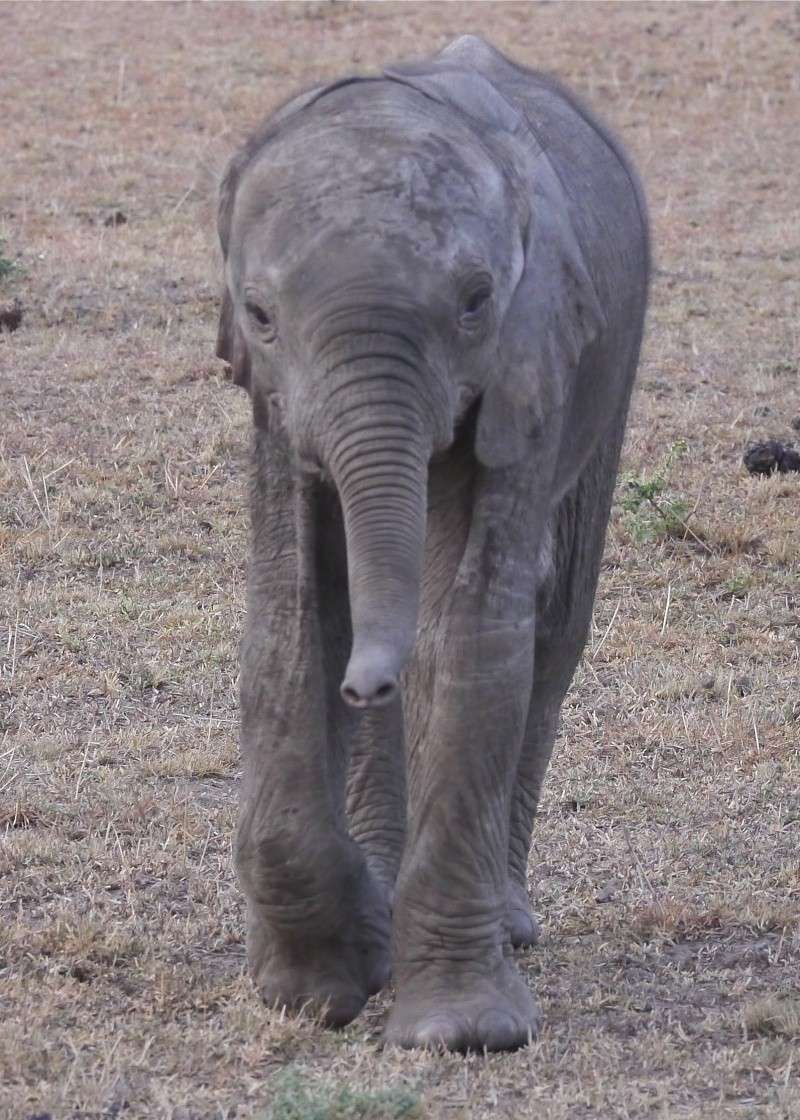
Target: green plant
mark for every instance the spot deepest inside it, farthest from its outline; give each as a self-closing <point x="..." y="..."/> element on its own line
<point x="298" y="1099"/>
<point x="7" y="266"/>
<point x="651" y="511"/>
<point x="737" y="586"/>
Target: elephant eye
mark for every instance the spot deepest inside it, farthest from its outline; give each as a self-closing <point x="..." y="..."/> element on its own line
<point x="261" y="317"/>
<point x="475" y="303"/>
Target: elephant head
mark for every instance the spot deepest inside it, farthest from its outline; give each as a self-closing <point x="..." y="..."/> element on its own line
<point x="400" y="261"/>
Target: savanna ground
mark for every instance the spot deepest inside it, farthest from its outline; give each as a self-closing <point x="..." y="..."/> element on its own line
<point x="666" y="863"/>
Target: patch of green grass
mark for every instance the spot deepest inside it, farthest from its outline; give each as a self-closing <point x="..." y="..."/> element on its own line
<point x="7" y="266"/>
<point x="737" y="586"/>
<point x="651" y="510"/>
<point x="298" y="1099"/>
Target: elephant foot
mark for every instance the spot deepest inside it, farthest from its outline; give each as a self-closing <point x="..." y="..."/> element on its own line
<point x="461" y="1012"/>
<point x="523" y="929"/>
<point x="330" y="977"/>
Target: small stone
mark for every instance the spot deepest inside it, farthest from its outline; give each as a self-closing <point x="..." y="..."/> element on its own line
<point x="608" y="891"/>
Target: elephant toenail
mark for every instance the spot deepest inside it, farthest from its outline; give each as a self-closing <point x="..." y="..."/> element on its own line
<point x="497" y="1030"/>
<point x="341" y="1011"/>
<point x="439" y="1033"/>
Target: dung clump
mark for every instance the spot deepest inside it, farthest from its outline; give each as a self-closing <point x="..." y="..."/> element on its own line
<point x="770" y="456"/>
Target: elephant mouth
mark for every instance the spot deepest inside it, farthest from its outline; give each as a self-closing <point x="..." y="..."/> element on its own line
<point x="464" y="427"/>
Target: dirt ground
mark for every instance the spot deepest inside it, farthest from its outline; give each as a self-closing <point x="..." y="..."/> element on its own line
<point x="667" y="859"/>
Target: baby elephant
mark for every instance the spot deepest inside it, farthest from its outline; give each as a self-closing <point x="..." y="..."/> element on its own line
<point x="435" y="291"/>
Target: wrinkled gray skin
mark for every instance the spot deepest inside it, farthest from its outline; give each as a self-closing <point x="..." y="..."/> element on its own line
<point x="436" y="284"/>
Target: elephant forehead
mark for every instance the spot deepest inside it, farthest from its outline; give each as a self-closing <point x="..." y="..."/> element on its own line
<point x="373" y="174"/>
<point x="401" y="205"/>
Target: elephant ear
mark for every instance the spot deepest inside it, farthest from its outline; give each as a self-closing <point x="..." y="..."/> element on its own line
<point x="231" y="344"/>
<point x="554" y="315"/>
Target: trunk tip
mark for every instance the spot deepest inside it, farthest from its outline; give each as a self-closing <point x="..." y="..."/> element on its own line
<point x="371" y="679"/>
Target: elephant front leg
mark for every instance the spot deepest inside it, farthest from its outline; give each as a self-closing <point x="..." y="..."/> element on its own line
<point x="318" y="923"/>
<point x="457" y="985"/>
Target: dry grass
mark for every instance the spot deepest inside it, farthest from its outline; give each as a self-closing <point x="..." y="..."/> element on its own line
<point x="666" y="865"/>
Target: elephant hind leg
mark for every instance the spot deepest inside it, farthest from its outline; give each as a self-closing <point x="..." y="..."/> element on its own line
<point x="540" y="732"/>
<point x="376" y="791"/>
<point x="563" y="620"/>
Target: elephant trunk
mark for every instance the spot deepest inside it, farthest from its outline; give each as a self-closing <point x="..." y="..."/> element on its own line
<point x="380" y="470"/>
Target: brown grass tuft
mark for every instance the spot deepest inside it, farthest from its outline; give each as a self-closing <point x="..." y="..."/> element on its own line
<point x="18" y="816"/>
<point x="671" y="920"/>
<point x="772" y="1016"/>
